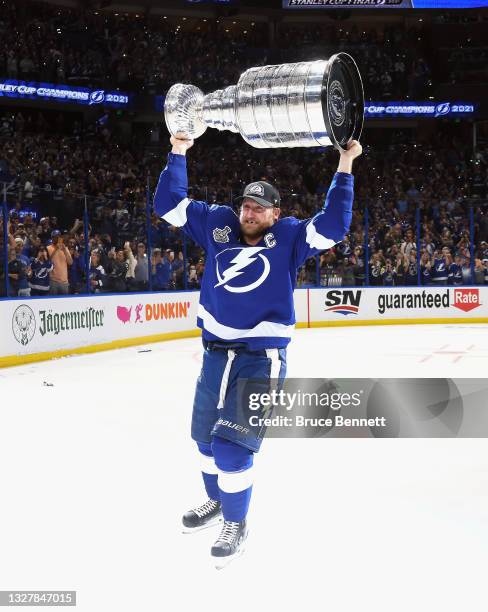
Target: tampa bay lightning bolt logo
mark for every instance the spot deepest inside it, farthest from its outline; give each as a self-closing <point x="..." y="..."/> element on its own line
<point x="97" y="97"/>
<point x="232" y="263"/>
<point x="442" y="109"/>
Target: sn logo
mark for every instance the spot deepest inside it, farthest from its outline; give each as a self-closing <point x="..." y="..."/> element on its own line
<point x="342" y="301"/>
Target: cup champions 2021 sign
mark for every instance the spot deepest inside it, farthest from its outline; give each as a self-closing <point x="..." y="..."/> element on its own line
<point x="43" y="325"/>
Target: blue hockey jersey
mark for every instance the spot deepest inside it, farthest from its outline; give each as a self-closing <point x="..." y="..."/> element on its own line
<point x="40" y="274"/>
<point x="439" y="270"/>
<point x="455" y="274"/>
<point x="247" y="291"/>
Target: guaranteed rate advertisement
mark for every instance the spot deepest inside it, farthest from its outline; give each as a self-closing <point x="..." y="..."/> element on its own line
<point x="380" y="303"/>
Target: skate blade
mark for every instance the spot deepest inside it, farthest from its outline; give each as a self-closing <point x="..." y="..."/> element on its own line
<point x="223" y="562"/>
<point x="216" y="521"/>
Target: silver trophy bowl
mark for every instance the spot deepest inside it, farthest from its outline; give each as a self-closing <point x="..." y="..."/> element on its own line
<point x="307" y="104"/>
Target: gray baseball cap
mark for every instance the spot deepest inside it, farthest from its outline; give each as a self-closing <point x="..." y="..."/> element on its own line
<point x="261" y="192"/>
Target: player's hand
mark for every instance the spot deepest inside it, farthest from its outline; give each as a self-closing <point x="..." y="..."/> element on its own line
<point x="354" y="149"/>
<point x="180" y="143"/>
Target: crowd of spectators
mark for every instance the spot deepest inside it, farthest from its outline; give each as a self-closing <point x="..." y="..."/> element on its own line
<point x="148" y="53"/>
<point x="421" y="207"/>
<point x="393" y="59"/>
<point x="130" y="52"/>
<point x="52" y="181"/>
<point x="43" y="260"/>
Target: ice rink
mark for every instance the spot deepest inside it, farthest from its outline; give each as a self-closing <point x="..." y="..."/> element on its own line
<point x="97" y="467"/>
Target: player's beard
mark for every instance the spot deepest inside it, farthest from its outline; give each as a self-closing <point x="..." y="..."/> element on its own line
<point x="254" y="230"/>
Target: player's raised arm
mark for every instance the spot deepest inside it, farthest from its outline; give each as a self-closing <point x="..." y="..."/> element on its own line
<point x="331" y="224"/>
<point x="171" y="197"/>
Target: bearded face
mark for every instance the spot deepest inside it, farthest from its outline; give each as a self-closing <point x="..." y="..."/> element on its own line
<point x="256" y="219"/>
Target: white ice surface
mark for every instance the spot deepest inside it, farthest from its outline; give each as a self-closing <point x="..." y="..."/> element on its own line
<point x="97" y="465"/>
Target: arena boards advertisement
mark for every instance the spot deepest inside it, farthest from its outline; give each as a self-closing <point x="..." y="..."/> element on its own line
<point x="380" y="304"/>
<point x="44" y="326"/>
<point x="57" y="324"/>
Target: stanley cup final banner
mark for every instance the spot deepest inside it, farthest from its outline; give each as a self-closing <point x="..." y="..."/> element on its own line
<point x="361" y="408"/>
<point x="383" y="4"/>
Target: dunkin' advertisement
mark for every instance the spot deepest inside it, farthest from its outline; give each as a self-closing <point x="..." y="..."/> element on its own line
<point x="43" y="325"/>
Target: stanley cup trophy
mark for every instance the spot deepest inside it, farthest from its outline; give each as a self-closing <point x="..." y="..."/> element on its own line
<point x="308" y="104"/>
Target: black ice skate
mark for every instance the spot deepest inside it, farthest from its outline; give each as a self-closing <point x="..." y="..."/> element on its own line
<point x="206" y="515"/>
<point x="229" y="544"/>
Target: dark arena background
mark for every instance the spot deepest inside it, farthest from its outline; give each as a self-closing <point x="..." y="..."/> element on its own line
<point x="67" y="160"/>
<point x="99" y="355"/>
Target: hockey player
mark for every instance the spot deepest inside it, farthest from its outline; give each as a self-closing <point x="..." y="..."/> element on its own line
<point x="246" y="314"/>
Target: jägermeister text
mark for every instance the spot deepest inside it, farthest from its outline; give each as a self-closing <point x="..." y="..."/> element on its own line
<point x="54" y="323"/>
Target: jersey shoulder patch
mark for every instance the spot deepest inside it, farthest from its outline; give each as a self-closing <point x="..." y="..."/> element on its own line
<point x="222" y="221"/>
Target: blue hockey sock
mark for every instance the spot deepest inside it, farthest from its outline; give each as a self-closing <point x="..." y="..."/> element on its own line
<point x="209" y="471"/>
<point x="234" y="465"/>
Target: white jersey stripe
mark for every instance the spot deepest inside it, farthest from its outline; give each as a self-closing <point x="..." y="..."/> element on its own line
<point x="265" y="328"/>
<point x="225" y="378"/>
<point x="316" y="240"/>
<point x="274" y="374"/>
<point x="177" y="215"/>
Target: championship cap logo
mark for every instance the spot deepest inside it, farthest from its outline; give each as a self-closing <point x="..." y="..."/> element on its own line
<point x="255" y="189"/>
